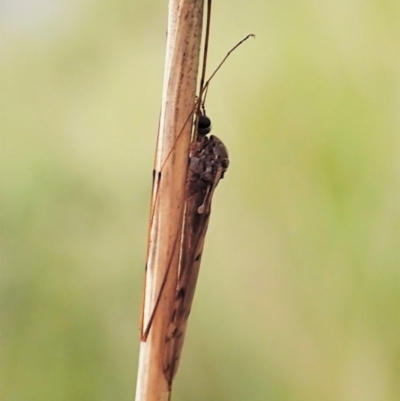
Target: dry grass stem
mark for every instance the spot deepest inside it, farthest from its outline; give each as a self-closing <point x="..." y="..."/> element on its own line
<point x="168" y="196"/>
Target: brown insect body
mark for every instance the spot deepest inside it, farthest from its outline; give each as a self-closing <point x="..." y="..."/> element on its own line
<point x="207" y="164"/>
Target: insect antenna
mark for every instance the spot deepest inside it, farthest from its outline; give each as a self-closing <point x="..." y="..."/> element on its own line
<point x="199" y="107"/>
<point x="205" y="54"/>
<point x="204" y="88"/>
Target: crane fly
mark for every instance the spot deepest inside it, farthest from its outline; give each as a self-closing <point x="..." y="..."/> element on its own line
<point x="207" y="163"/>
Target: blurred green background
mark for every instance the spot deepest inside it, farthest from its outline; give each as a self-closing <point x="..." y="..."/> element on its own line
<point x="299" y="291"/>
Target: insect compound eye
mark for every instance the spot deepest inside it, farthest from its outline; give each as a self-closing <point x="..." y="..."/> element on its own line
<point x="204" y="125"/>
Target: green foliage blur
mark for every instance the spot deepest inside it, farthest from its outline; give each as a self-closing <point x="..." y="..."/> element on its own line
<point x="299" y="291"/>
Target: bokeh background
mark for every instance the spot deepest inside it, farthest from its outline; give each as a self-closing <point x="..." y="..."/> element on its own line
<point x="299" y="291"/>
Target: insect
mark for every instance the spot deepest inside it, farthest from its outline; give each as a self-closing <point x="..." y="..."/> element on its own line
<point x="207" y="163"/>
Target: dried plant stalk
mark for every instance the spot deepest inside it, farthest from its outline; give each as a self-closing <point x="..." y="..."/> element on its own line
<point x="168" y="196"/>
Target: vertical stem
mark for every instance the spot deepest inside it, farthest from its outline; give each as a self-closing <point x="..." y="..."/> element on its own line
<point x="168" y="198"/>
